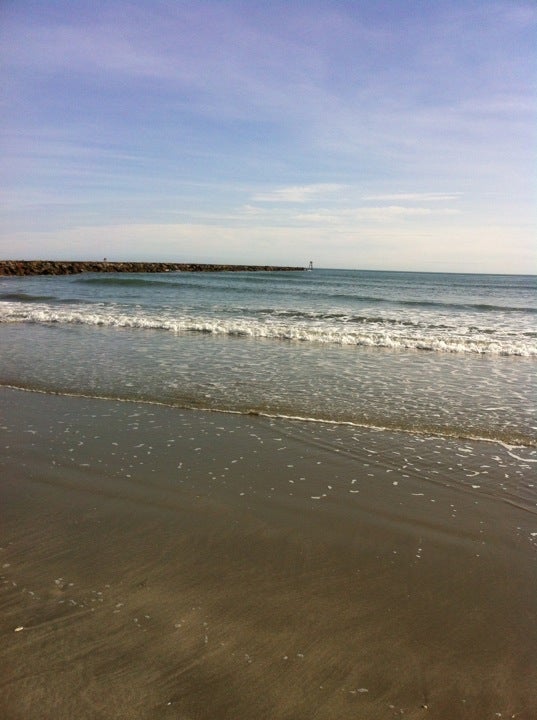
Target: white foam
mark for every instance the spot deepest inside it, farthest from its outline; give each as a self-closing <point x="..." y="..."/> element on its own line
<point x="373" y="334"/>
<point x="414" y="431"/>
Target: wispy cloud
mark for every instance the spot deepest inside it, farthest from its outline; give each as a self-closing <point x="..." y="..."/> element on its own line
<point x="416" y="197"/>
<point x="297" y="193"/>
<point x="375" y="247"/>
<point x="376" y="214"/>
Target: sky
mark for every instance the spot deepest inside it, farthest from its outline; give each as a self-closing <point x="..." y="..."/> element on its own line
<point x="372" y="134"/>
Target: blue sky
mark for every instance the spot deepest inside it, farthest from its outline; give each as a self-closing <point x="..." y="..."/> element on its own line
<point x="382" y="134"/>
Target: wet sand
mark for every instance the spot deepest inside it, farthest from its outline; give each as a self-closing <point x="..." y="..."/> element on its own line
<point x="160" y="563"/>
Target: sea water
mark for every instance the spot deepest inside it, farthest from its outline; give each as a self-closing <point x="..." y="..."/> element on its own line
<point x="427" y="353"/>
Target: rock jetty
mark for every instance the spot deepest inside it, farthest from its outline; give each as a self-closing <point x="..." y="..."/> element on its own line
<point x="62" y="267"/>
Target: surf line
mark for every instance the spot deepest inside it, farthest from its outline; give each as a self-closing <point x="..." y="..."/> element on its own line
<point x="427" y="433"/>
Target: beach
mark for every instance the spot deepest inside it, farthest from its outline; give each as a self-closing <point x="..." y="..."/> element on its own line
<point x="175" y="563"/>
<point x="268" y="361"/>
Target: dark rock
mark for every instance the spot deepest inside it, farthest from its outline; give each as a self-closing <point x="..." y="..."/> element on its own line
<point x="47" y="267"/>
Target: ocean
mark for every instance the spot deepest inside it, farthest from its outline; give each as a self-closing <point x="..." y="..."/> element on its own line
<point x="268" y="495"/>
<point x="447" y="354"/>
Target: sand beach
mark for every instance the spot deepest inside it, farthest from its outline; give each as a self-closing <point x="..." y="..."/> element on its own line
<point x="167" y="563"/>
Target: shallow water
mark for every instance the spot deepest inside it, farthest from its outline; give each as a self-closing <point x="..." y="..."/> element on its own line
<point x="450" y="354"/>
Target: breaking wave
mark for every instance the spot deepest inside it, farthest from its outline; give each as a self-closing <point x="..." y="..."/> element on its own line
<point x="330" y="328"/>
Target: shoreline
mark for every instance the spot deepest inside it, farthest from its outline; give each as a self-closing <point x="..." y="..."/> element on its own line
<point x="159" y="562"/>
<point x="19" y="268"/>
<point x="518" y="443"/>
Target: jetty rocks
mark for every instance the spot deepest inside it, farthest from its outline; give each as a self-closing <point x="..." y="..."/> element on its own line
<point x="62" y="267"/>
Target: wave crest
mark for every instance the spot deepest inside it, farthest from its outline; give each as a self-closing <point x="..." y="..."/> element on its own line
<point x="376" y="332"/>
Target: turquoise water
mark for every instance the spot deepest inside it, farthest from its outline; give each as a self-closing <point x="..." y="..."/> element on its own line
<point x="430" y="353"/>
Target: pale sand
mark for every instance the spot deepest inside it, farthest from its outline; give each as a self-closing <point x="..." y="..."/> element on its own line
<point x="170" y="564"/>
